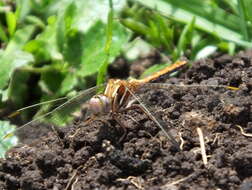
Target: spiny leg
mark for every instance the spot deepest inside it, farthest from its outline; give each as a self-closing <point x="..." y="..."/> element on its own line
<point x="88" y="122"/>
<point x="94" y="118"/>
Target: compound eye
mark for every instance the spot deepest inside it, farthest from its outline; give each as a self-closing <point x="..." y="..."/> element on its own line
<point x="95" y="105"/>
<point x="105" y="103"/>
<point x="99" y="104"/>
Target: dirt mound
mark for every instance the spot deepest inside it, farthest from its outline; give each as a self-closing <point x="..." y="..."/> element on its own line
<point x="94" y="156"/>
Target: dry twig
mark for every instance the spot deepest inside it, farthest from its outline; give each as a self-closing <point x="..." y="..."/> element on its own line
<point x="134" y="180"/>
<point x="202" y="145"/>
<point x="168" y="185"/>
<point x="182" y="141"/>
<point x="216" y="138"/>
<point x="74" y="183"/>
<point x="243" y="133"/>
<point x="71" y="181"/>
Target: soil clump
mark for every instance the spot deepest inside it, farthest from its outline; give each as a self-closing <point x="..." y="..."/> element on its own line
<point x="93" y="156"/>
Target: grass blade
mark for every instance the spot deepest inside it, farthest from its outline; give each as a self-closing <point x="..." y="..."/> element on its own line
<point x="185" y="38"/>
<point x="11" y="22"/>
<point x="109" y="33"/>
<point x="203" y="22"/>
<point x="243" y="23"/>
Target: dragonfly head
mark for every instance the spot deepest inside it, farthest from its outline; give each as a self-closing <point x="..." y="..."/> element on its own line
<point x="100" y="104"/>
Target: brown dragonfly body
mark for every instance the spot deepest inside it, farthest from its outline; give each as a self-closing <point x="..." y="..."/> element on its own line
<point x="115" y="98"/>
<point x="117" y="92"/>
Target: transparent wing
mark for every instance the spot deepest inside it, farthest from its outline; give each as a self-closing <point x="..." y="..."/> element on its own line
<point x="62" y="115"/>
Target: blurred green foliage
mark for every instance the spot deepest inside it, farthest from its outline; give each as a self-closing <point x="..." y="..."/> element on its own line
<point x="6" y="127"/>
<point x="48" y="48"/>
<point x="226" y="20"/>
<point x="45" y="40"/>
<point x="225" y="25"/>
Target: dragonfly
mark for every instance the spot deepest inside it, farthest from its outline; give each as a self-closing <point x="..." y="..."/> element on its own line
<point x="115" y="98"/>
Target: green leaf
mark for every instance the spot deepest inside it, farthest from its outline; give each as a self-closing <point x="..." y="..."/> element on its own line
<point x="74" y="21"/>
<point x="52" y="81"/>
<point x="44" y="47"/>
<point x="13" y="57"/>
<point x="64" y="25"/>
<point x="68" y="83"/>
<point x="248" y="12"/>
<point x="54" y="84"/>
<point x="39" y="49"/>
<point x="94" y="42"/>
<point x="109" y="30"/>
<point x="69" y="16"/>
<point x="57" y="82"/>
<point x="5" y="128"/>
<point x="231" y="48"/>
<point x="136" y="26"/>
<point x="23" y="9"/>
<point x="18" y="88"/>
<point x="11" y="22"/>
<point x="36" y="21"/>
<point x="166" y="32"/>
<point x="69" y="38"/>
<point x="91" y="11"/>
<point x="109" y="34"/>
<point x="20" y="39"/>
<point x="3" y="35"/>
<point x="243" y="22"/>
<point x="185" y="38"/>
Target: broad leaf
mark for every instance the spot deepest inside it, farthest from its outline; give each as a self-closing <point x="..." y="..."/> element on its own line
<point x="11" y="22"/>
<point x="94" y="42"/>
<point x="13" y="57"/>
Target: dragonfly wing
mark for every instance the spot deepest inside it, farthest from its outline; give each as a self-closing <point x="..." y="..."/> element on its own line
<point x="63" y="114"/>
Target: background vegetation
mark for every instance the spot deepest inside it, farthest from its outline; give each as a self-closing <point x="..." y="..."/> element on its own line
<point x="55" y="48"/>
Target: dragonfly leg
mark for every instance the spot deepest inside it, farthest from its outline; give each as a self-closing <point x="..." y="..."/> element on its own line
<point x="122" y="125"/>
<point x="132" y="107"/>
<point x="58" y="134"/>
<point x="106" y="123"/>
<point x="114" y="117"/>
<point x="89" y="120"/>
<point x="94" y="119"/>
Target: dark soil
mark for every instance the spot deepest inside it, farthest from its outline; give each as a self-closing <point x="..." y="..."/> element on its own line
<point x="94" y="155"/>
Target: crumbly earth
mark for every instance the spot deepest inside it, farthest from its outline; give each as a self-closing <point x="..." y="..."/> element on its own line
<point x="102" y="155"/>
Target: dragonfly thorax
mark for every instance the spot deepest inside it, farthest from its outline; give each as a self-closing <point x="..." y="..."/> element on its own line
<point x="100" y="104"/>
